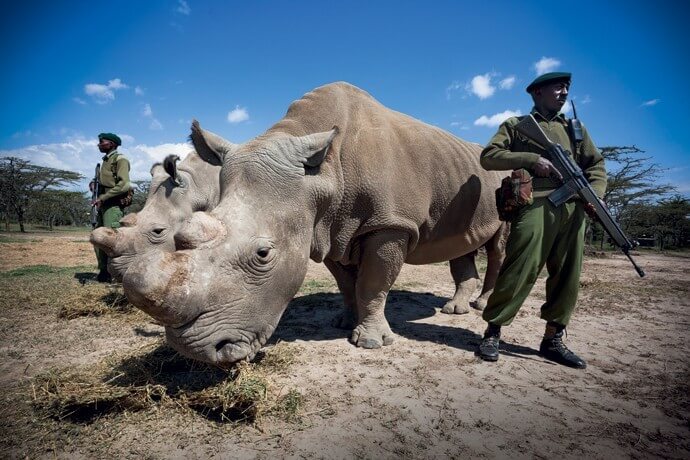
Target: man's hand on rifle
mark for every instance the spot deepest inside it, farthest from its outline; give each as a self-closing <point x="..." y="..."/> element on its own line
<point x="96" y="203"/>
<point x="591" y="210"/>
<point x="544" y="168"/>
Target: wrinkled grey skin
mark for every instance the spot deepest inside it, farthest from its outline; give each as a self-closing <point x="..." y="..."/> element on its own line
<point x="340" y="179"/>
<point x="177" y="191"/>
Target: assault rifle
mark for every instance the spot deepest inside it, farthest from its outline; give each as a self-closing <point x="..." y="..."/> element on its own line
<point x="575" y="183"/>
<point x="94" y="195"/>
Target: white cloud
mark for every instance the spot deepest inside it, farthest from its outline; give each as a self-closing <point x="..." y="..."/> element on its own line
<point x="586" y="99"/>
<point x="103" y="94"/>
<point x="79" y="100"/>
<point x="138" y="91"/>
<point x="117" y="84"/>
<point x="507" y="83"/>
<point x="21" y="134"/>
<point x="81" y="155"/>
<point x="650" y="102"/>
<point x="459" y="125"/>
<point x="480" y="86"/>
<point x="545" y="65"/>
<point x="497" y="119"/>
<point x="456" y="85"/>
<point x="238" y="115"/>
<point x="154" y="124"/>
<point x="183" y="7"/>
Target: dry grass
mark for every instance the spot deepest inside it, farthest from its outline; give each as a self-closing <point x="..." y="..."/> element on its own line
<point x="71" y="291"/>
<point x="156" y="376"/>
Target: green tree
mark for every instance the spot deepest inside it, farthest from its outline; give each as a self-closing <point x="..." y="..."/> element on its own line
<point x="667" y="221"/>
<point x="633" y="179"/>
<point x="141" y="192"/>
<point x="59" y="207"/>
<point x="20" y="181"/>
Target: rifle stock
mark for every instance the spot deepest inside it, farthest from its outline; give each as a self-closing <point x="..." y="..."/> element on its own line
<point x="575" y="183"/>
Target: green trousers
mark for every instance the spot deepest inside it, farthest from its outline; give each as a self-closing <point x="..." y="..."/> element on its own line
<point x="107" y="217"/>
<point x="540" y="234"/>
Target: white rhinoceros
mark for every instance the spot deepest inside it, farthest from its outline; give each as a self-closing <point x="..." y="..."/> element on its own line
<point x="175" y="193"/>
<point x="340" y="179"/>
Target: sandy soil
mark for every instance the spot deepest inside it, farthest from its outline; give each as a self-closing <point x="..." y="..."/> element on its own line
<point x="425" y="396"/>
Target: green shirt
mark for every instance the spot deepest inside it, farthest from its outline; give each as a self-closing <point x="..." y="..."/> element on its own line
<point x="509" y="150"/>
<point x="114" y="176"/>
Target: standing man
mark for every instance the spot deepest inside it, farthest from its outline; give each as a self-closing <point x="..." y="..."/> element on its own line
<point x="541" y="233"/>
<point x="114" y="194"/>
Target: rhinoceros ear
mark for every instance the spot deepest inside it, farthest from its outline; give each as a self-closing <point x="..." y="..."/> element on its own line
<point x="210" y="147"/>
<point x="157" y="168"/>
<point x="315" y="146"/>
<point x="170" y="166"/>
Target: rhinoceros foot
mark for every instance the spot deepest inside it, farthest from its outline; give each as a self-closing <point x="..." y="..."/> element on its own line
<point x="480" y="302"/>
<point x="372" y="336"/>
<point x="456" y="308"/>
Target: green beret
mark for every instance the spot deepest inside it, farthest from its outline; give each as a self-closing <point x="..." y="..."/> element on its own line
<point x="110" y="137"/>
<point x="551" y="77"/>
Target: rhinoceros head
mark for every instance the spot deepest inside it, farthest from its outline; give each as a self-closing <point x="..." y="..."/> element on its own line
<point x="221" y="293"/>
<point x="175" y="193"/>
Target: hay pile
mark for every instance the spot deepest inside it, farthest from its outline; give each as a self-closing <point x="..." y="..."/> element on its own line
<point x="94" y="301"/>
<point x="156" y="377"/>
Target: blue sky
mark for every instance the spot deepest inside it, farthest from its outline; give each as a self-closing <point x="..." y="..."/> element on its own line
<point x="145" y="69"/>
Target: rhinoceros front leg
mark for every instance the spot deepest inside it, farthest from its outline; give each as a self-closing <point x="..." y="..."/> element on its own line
<point x="382" y="256"/>
<point x="464" y="271"/>
<point x="346" y="277"/>
<point x="495" y="253"/>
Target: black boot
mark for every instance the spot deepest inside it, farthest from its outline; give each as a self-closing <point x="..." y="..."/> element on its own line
<point x="488" y="349"/>
<point x="553" y="349"/>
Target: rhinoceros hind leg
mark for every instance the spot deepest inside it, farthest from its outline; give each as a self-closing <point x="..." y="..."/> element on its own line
<point x="345" y="276"/>
<point x="464" y="271"/>
<point x="382" y="256"/>
<point x="495" y="253"/>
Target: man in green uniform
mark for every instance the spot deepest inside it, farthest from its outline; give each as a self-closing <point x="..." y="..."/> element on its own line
<point x="112" y="194"/>
<point x="542" y="234"/>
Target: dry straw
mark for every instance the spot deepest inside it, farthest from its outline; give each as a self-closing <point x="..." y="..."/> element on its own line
<point x="158" y="377"/>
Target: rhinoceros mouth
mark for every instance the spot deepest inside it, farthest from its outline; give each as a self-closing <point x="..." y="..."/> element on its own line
<point x="228" y="352"/>
<point x="220" y="349"/>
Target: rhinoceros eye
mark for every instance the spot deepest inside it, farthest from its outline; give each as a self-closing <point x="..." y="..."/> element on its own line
<point x="263" y="252"/>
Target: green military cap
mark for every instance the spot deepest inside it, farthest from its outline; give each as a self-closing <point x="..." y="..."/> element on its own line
<point x="111" y="137"/>
<point x="551" y="77"/>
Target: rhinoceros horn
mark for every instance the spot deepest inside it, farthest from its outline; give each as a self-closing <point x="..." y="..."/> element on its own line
<point x="209" y="146"/>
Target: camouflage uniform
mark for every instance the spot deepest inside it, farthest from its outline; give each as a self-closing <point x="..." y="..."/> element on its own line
<point x="114" y="184"/>
<point x="541" y="234"/>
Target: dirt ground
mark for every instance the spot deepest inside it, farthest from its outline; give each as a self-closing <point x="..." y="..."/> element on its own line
<point x="425" y="396"/>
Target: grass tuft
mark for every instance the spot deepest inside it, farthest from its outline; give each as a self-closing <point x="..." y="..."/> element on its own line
<point x="156" y="376"/>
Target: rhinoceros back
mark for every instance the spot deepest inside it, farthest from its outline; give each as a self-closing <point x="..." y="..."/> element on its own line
<point x="394" y="171"/>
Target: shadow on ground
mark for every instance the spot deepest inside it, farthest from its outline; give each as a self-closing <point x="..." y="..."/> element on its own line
<point x="311" y="317"/>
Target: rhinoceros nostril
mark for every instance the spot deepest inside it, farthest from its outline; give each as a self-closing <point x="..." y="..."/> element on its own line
<point x="221" y="344"/>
